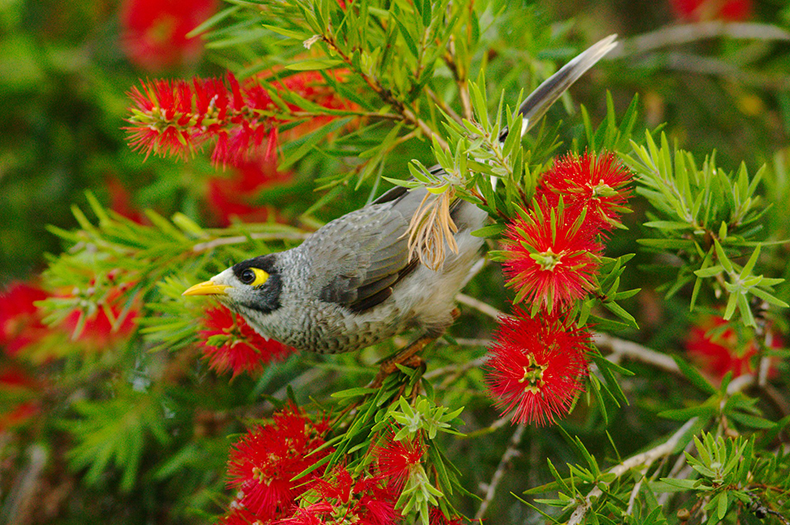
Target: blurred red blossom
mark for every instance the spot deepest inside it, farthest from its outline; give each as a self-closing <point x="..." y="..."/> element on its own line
<point x="704" y="10"/>
<point x="719" y="349"/>
<point x="121" y="200"/>
<point x="154" y="32"/>
<point x="592" y="183"/>
<point x="550" y="258"/>
<point x="263" y="464"/>
<point x="229" y="196"/>
<point x="105" y="321"/>
<point x="229" y="343"/>
<point x="18" y="387"/>
<point x="178" y="117"/>
<point x="536" y="366"/>
<point x="21" y="321"/>
<point x="19" y="414"/>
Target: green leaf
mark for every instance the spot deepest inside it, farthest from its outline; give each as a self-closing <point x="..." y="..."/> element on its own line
<point x="314" y="65"/>
<point x="694" y="376"/>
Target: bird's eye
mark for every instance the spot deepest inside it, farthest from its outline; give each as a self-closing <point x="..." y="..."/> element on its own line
<point x="253" y="276"/>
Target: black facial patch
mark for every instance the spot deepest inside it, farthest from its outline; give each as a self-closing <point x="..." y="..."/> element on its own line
<point x="268" y="294"/>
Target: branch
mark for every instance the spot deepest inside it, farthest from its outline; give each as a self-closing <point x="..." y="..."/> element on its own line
<point x="384" y="94"/>
<point x="687" y="33"/>
<point x="621" y="348"/>
<point x="480" y="306"/>
<point x="240" y="239"/>
<point x="644" y="459"/>
<point x="510" y="453"/>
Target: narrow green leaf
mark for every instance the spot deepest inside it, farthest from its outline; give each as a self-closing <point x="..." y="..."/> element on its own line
<point x="694" y="376"/>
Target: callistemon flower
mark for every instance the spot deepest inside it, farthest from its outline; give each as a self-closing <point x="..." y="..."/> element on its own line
<point x="229" y="196"/>
<point x="550" y="258"/>
<point x="718" y="349"/>
<point x="21" y="322"/>
<point x="537" y="365"/>
<point x="363" y="501"/>
<point x="103" y="320"/>
<point x="704" y="10"/>
<point x="437" y="517"/>
<point x="263" y="464"/>
<point x="20" y="393"/>
<point x="229" y="343"/>
<point x="597" y="184"/>
<point x="396" y="460"/>
<point x="154" y="32"/>
<point x="178" y="117"/>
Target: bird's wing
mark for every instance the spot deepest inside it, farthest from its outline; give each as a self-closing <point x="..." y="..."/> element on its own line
<point x="364" y="254"/>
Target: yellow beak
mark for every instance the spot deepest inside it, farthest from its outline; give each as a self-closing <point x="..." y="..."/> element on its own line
<point x="207" y="288"/>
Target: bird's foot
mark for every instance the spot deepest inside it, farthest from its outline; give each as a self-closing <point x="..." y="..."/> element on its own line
<point x="409" y="357"/>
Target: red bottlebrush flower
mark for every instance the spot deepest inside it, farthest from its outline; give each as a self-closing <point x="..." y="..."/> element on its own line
<point x="228" y="197"/>
<point x="720" y="350"/>
<point x="263" y="463"/>
<point x="703" y="10"/>
<point x="20" y="319"/>
<point x="550" y="258"/>
<point x="240" y="516"/>
<point x="17" y="385"/>
<point x="231" y="344"/>
<point x="595" y="184"/>
<point x="396" y="459"/>
<point x="364" y="501"/>
<point x="536" y="366"/>
<point x="154" y="32"/>
<point x="13" y="378"/>
<point x="18" y="415"/>
<point x="104" y="323"/>
<point x="176" y="118"/>
<point x="121" y="200"/>
<point x="437" y="517"/>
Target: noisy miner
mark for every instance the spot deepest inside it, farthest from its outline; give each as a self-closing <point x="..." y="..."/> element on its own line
<point x="353" y="283"/>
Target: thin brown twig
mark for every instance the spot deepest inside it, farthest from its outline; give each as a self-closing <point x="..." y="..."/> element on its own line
<point x="511" y="452"/>
<point x="240" y="239"/>
<point x="385" y="95"/>
<point x="687" y="33"/>
<point x="620" y="348"/>
<point x="645" y="459"/>
<point x="480" y="306"/>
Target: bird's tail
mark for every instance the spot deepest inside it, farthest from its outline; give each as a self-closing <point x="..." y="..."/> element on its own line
<point x="546" y="94"/>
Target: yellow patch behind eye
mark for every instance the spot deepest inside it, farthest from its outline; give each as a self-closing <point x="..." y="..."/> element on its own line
<point x="260" y="277"/>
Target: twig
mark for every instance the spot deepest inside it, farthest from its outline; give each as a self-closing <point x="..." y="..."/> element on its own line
<point x="22" y="496"/>
<point x="480" y="306"/>
<point x="715" y="66"/>
<point x="646" y="458"/>
<point x="239" y="239"/>
<point x="630" y="350"/>
<point x="496" y="479"/>
<point x="443" y="105"/>
<point x="687" y="33"/>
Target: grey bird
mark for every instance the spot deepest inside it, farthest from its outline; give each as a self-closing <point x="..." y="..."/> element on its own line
<point x="353" y="283"/>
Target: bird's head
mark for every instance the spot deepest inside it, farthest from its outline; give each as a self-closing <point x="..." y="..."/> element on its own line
<point x="251" y="287"/>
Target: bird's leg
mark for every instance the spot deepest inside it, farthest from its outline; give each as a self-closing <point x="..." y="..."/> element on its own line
<point x="409" y="356"/>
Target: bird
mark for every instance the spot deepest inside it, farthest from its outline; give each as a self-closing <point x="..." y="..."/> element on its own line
<point x="354" y="282"/>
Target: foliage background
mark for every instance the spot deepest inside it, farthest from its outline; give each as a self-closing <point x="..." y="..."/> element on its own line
<point x="63" y="82"/>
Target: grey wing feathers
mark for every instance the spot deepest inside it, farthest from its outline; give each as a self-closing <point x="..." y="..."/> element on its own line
<point x="372" y="259"/>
